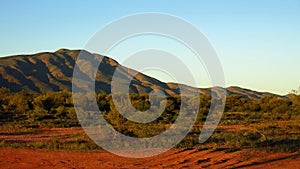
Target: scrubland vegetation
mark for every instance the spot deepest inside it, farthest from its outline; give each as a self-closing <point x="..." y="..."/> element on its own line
<point x="268" y="123"/>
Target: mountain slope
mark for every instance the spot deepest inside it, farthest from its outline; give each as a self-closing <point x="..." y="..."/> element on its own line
<point x="47" y="71"/>
<point x="44" y="72"/>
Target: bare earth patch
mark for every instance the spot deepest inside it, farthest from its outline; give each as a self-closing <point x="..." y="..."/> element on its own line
<point x="45" y="158"/>
<point x="42" y="134"/>
<point x="24" y="158"/>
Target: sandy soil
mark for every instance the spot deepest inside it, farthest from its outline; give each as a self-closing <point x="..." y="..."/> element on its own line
<point x="42" y="134"/>
<point x="44" y="158"/>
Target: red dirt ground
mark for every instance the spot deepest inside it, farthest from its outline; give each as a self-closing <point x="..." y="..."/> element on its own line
<point x="45" y="158"/>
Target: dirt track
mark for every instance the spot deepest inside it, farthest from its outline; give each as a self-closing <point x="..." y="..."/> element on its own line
<point x="45" y="158"/>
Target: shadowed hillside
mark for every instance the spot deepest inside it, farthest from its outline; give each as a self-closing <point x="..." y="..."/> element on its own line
<point x="47" y="71"/>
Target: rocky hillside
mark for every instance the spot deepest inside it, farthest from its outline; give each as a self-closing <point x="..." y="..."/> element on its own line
<point x="47" y="71"/>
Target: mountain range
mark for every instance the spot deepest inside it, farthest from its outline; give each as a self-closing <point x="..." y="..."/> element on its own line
<point x="47" y="71"/>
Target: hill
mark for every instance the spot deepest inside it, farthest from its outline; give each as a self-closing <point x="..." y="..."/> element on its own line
<point x="48" y="71"/>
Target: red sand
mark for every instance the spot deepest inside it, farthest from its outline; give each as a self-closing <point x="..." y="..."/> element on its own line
<point x="46" y="158"/>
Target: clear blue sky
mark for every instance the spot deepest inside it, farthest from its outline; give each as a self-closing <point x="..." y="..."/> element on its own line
<point x="258" y="41"/>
